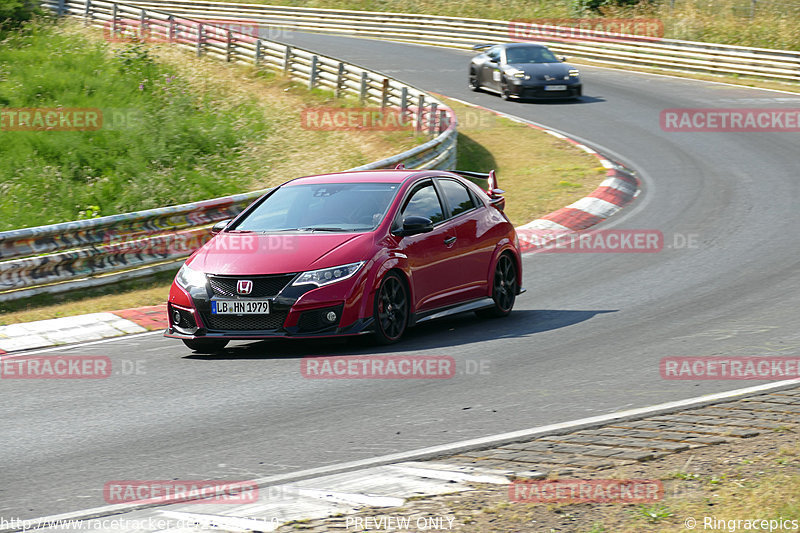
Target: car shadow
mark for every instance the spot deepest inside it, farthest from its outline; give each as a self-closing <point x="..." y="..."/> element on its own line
<point x="565" y="101"/>
<point x="465" y="328"/>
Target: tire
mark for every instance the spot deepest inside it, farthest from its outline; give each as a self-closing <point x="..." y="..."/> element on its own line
<point x="504" y="90"/>
<point x="504" y="289"/>
<point x="473" y="81"/>
<point x="206" y="345"/>
<point x="391" y="309"/>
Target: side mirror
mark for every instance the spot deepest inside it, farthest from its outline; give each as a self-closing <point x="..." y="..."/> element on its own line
<point x="413" y="225"/>
<point x="219" y="226"/>
<point x="562" y="58"/>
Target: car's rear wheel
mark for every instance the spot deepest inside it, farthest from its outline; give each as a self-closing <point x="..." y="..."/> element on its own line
<point x="504" y="288"/>
<point x="473" y="81"/>
<point x="206" y="345"/>
<point x="391" y="309"/>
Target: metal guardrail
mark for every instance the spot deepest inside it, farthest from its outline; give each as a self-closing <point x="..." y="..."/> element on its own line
<point x="599" y="47"/>
<point x="84" y="253"/>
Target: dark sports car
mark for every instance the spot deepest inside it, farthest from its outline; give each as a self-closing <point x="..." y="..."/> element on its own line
<point x="347" y="254"/>
<point x="523" y="70"/>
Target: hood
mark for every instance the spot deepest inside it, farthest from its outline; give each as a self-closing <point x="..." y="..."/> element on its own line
<point x="277" y="253"/>
<point x="539" y="71"/>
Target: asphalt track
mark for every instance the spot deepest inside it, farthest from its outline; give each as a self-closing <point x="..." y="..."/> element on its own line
<point x="585" y="340"/>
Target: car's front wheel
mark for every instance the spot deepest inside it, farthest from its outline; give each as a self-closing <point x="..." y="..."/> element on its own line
<point x="504" y="94"/>
<point x="206" y="345"/>
<point x="504" y="288"/>
<point x="391" y="309"/>
<point x="473" y="81"/>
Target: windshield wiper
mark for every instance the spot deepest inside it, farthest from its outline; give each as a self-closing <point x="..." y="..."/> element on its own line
<point x="321" y="228"/>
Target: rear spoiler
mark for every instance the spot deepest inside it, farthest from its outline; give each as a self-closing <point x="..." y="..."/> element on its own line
<point x="488" y="182"/>
<point x="482" y="46"/>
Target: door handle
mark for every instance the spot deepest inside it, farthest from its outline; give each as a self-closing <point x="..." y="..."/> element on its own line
<point x="450" y="240"/>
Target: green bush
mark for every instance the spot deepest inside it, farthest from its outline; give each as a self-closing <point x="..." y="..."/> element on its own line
<point x="159" y="143"/>
<point x="15" y="12"/>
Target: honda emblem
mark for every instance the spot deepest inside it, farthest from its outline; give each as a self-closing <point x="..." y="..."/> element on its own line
<point x="244" y="286"/>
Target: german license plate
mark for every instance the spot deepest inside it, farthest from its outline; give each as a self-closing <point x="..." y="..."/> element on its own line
<point x="239" y="307"/>
<point x="555" y="87"/>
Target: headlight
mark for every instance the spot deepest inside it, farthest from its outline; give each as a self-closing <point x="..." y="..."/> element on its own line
<point x="188" y="278"/>
<point x="516" y="73"/>
<point x="574" y="72"/>
<point x="328" y="275"/>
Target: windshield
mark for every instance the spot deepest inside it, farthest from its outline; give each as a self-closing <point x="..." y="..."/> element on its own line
<point x="322" y="207"/>
<point x="530" y="54"/>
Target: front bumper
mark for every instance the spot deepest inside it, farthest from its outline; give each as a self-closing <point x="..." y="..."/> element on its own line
<point x="537" y="91"/>
<point x="299" y="312"/>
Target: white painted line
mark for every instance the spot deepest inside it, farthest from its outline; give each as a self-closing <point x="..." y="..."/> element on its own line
<point x="595" y="206"/>
<point x="620" y="185"/>
<point x="452" y="448"/>
<point x="544" y="224"/>
<point x="445" y="475"/>
<point x="70" y="346"/>
<point x="351" y="498"/>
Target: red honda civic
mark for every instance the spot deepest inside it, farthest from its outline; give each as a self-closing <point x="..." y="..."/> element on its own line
<point x="351" y="253"/>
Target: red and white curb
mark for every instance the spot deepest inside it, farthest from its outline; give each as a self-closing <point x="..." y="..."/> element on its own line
<point x="81" y="328"/>
<point x="618" y="189"/>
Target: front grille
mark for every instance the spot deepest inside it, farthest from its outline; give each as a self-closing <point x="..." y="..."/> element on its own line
<point x="245" y="322"/>
<point x="263" y="286"/>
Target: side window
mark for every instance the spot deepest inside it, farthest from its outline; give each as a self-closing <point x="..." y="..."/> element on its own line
<point x="458" y="197"/>
<point x="494" y="54"/>
<point x="424" y="202"/>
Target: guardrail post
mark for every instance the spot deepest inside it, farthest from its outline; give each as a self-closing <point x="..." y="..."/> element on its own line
<point x="444" y="121"/>
<point x="87" y="12"/>
<point x="339" y="79"/>
<point x="171" y="30"/>
<point x="258" y="52"/>
<point x="403" y="105"/>
<point x="199" y="39"/>
<point x="287" y="60"/>
<point x="420" y="106"/>
<point x="312" y="79"/>
<point x="228" y="46"/>
<point x="60" y="10"/>
<point x="113" y="22"/>
<point x="385" y="93"/>
<point x="142" y="24"/>
<point x="433" y="115"/>
<point x="362" y="92"/>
